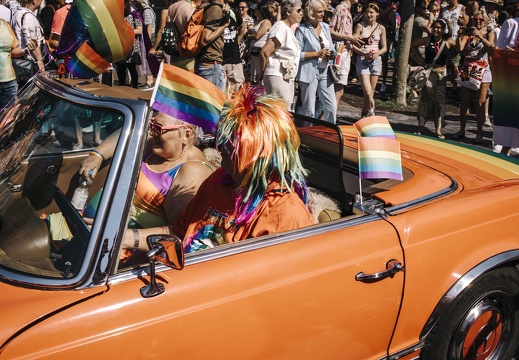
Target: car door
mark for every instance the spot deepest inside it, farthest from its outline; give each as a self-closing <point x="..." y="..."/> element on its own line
<point x="293" y="295"/>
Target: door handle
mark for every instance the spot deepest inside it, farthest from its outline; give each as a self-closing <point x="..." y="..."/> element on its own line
<point x="392" y="267"/>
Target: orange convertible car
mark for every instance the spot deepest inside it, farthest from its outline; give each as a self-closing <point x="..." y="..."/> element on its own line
<point x="426" y="267"/>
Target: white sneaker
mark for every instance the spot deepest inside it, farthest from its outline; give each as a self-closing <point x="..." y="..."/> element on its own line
<point x="487" y="121"/>
<point x="383" y="88"/>
<point x="514" y="151"/>
<point x="371" y="112"/>
<point x="77" y="147"/>
<point x="497" y="148"/>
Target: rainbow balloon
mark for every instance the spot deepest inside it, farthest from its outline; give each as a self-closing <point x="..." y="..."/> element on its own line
<point x="94" y="35"/>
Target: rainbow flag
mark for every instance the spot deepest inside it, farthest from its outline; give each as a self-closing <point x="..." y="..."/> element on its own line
<point x="379" y="158"/>
<point x="505" y="77"/>
<point x="375" y="126"/>
<point x="187" y="97"/>
<point x="95" y="34"/>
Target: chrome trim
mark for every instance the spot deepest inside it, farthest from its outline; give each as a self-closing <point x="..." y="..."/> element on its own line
<point x="463" y="282"/>
<point x="404" y="206"/>
<point x="407" y="351"/>
<point x="248" y="245"/>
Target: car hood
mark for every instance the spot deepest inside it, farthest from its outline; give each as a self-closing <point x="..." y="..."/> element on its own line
<point x="20" y="308"/>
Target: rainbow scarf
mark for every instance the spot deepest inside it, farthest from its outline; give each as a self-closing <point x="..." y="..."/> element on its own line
<point x="187" y="97"/>
<point x="94" y="35"/>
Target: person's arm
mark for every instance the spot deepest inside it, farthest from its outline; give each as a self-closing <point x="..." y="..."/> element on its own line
<point x="264" y="27"/>
<point x="138" y="30"/>
<point x="241" y="32"/>
<point x="210" y="34"/>
<point x="383" y="43"/>
<point x="357" y="48"/>
<point x="266" y="52"/>
<point x="414" y="48"/>
<point x="461" y="41"/>
<point x="158" y="35"/>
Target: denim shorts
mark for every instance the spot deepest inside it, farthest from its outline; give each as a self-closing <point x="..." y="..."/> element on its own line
<point x="366" y="67"/>
<point x="213" y="72"/>
<point x="8" y="91"/>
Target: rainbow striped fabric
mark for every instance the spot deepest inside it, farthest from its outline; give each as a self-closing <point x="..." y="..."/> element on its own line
<point x="374" y="126"/>
<point x="187" y="97"/>
<point x="94" y="35"/>
<point x="379" y="158"/>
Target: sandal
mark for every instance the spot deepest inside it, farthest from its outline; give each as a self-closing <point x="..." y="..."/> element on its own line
<point x="458" y="136"/>
<point x="478" y="140"/>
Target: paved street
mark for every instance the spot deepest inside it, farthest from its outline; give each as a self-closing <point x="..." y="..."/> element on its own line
<point x="348" y="114"/>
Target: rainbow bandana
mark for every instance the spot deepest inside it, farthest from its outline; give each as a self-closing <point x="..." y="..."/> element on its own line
<point x="187" y="97"/>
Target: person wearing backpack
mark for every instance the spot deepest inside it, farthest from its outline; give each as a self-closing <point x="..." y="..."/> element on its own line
<point x="173" y="23"/>
<point x="209" y="61"/>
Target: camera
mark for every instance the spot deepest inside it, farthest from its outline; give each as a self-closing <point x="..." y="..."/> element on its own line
<point x="333" y="55"/>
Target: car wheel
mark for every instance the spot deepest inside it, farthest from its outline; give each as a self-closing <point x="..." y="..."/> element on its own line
<point x="481" y="323"/>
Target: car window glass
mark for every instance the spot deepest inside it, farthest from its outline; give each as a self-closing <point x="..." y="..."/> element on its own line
<point x="41" y="233"/>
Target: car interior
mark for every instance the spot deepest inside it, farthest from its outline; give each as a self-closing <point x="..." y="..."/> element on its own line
<point x="40" y="174"/>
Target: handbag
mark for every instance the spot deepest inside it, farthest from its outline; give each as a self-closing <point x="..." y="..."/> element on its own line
<point x="418" y="78"/>
<point x="333" y="72"/>
<point x="24" y="69"/>
<point x="470" y="74"/>
<point x="288" y="69"/>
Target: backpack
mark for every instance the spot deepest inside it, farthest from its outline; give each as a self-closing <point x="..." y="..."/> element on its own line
<point x="188" y="44"/>
<point x="169" y="39"/>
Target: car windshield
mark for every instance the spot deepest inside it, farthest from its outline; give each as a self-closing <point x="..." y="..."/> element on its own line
<point x="43" y="139"/>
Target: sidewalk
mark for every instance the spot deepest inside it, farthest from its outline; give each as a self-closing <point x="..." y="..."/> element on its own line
<point x="348" y="114"/>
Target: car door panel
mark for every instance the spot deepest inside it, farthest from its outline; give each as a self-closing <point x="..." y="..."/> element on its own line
<point x="297" y="299"/>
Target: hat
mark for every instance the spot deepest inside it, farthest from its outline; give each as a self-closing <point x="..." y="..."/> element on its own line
<point x="69" y="1"/>
<point x="497" y="2"/>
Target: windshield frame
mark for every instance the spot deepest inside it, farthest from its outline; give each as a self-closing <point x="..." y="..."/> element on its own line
<point x="116" y="199"/>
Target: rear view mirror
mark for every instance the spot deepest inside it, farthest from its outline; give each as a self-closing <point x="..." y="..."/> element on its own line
<point x="168" y="250"/>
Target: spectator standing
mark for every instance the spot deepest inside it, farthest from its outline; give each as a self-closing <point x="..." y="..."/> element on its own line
<point x="47" y="15"/>
<point x="492" y="7"/>
<point x="369" y="64"/>
<point x="26" y="27"/>
<point x="452" y="14"/>
<point x="134" y="58"/>
<point x="431" y="104"/>
<point x="258" y="37"/>
<point x="434" y="10"/>
<point x="232" y="63"/>
<point x="315" y="41"/>
<point x="248" y="22"/>
<point x="57" y="24"/>
<point x="341" y="28"/>
<point x="279" y="58"/>
<point x="474" y="44"/>
<point x="387" y="18"/>
<point x="9" y="49"/>
<point x="178" y="12"/>
<point x="357" y="13"/>
<point x="275" y="14"/>
<point x="209" y="62"/>
<point x="149" y="66"/>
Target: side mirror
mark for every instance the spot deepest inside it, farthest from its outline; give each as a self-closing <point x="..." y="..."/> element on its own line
<point x="168" y="250"/>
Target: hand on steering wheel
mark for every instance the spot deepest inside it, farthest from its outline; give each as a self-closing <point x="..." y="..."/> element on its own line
<point x="90" y="166"/>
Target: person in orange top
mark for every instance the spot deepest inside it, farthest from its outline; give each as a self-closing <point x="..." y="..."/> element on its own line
<point x="260" y="188"/>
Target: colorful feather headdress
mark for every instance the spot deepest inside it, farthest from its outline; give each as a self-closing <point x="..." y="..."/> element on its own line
<point x="265" y="142"/>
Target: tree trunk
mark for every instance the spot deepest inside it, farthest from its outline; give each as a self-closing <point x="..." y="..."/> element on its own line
<point x="404" y="46"/>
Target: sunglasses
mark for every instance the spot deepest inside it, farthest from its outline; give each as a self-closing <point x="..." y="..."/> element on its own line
<point x="299" y="11"/>
<point x="478" y="19"/>
<point x="159" y="130"/>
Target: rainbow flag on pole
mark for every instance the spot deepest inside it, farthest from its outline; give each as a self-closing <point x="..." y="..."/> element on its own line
<point x="379" y="158"/>
<point x="374" y="126"/>
<point x="187" y="97"/>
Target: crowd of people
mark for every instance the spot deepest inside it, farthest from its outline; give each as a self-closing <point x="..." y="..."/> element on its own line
<point x="305" y="52"/>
